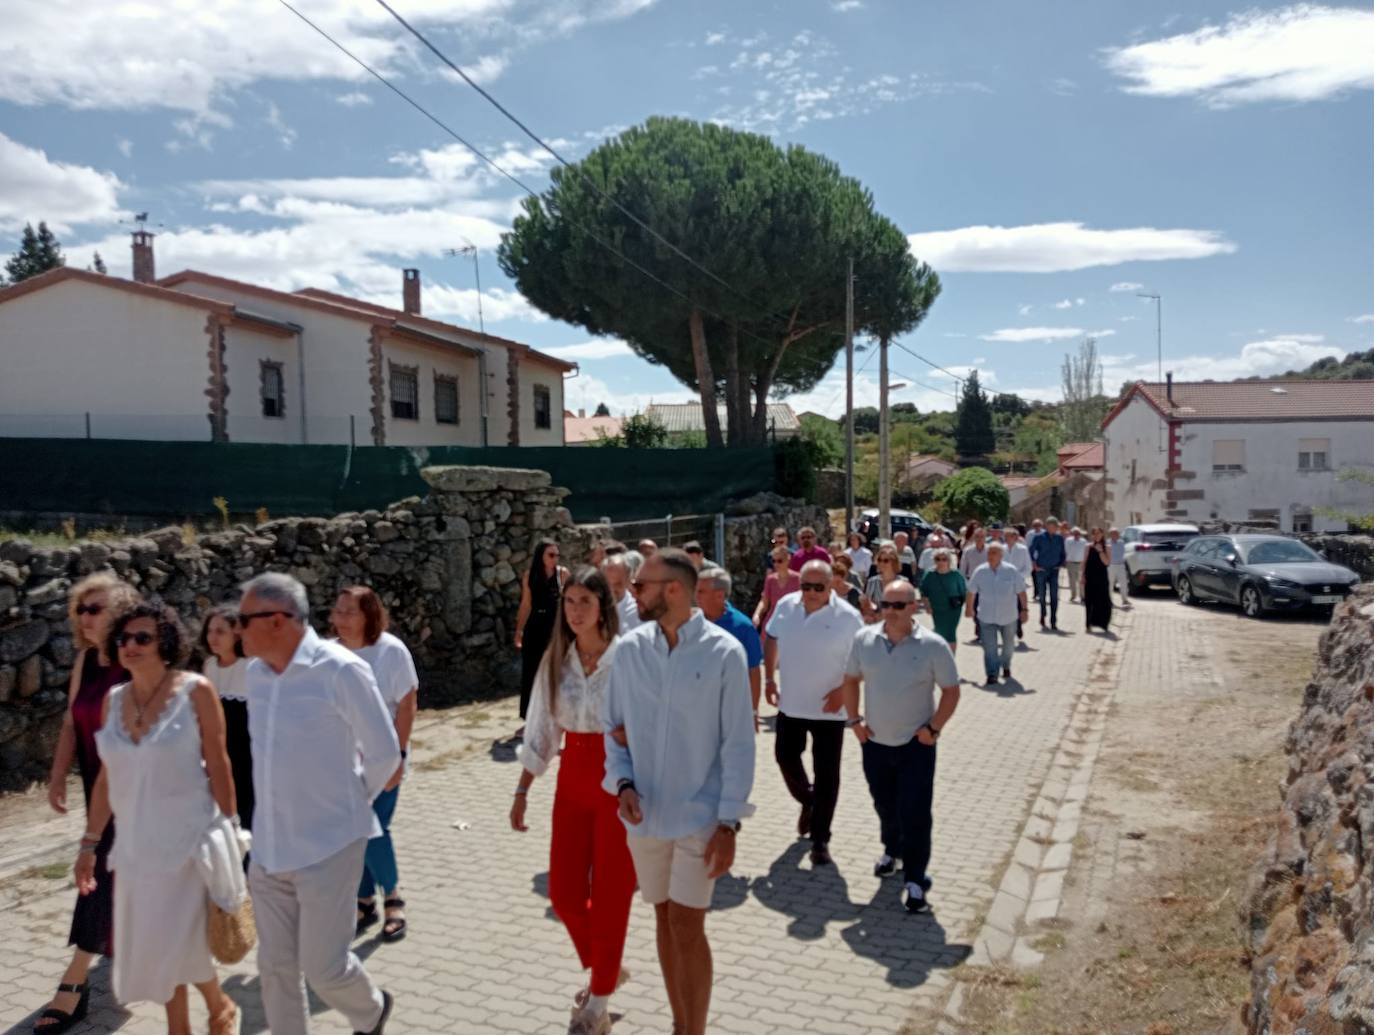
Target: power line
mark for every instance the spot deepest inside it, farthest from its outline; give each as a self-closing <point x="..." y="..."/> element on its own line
<point x="923" y="384"/>
<point x="862" y="367"/>
<point x="928" y="363"/>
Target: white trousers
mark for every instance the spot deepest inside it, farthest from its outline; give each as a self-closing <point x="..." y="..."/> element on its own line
<point x="306" y="921"/>
<point x="1119" y="582"/>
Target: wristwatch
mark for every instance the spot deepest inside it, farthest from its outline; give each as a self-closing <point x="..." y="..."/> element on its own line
<point x="851" y="723"/>
<point x="623" y="786"/>
<point x="732" y="825"/>
<point x="933" y="731"/>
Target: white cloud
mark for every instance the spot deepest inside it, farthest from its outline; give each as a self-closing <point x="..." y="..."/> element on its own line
<point x="1305" y="52"/>
<point x="1058" y="247"/>
<point x="191" y="58"/>
<point x="1255" y="359"/>
<point x="1126" y="285"/>
<point x="1063" y="87"/>
<point x="844" y="6"/>
<point x="354" y="99"/>
<point x="603" y="348"/>
<point x="126" y="147"/>
<point x="1024" y="310"/>
<point x="285" y="134"/>
<point x="1018" y="334"/>
<point x="715" y="38"/>
<point x="37" y="187"/>
<point x="1363" y="318"/>
<point x="1064" y="304"/>
<point x="1125" y="319"/>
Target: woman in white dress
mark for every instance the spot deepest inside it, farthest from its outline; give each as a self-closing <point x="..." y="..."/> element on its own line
<point x="591" y="874"/>
<point x="221" y="644"/>
<point x="360" y="622"/>
<point x="166" y="778"/>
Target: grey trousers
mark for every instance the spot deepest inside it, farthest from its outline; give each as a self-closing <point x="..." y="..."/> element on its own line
<point x="1075" y="569"/>
<point x="306" y="921"/>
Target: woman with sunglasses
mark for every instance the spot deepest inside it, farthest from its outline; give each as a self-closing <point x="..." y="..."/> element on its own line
<point x="168" y="781"/>
<point x="776" y="585"/>
<point x="89" y="606"/>
<point x="591" y="873"/>
<point x="221" y="645"/>
<point x="943" y="589"/>
<point x="889" y="565"/>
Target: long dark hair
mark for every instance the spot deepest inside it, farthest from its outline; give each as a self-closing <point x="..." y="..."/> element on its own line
<point x="537" y="580"/>
<point x="595" y="583"/>
<point x="230" y="614"/>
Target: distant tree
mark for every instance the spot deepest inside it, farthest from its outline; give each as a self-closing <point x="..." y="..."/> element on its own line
<point x="974" y="492"/>
<point x="973" y="434"/>
<point x="905" y="410"/>
<point x="1010" y="405"/>
<point x="1084" y="405"/>
<point x="98" y="264"/>
<point x="865" y="420"/>
<point x="1357" y="522"/>
<point x="1037" y="441"/>
<point x="602" y="410"/>
<point x="38" y="253"/>
<point x="824" y="443"/>
<point x="641" y="431"/>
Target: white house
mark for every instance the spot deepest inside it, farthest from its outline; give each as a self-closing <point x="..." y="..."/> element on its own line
<point x="197" y="356"/>
<point x="1240" y="451"/>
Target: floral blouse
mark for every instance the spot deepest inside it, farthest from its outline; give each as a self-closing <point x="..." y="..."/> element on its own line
<point x="580" y="700"/>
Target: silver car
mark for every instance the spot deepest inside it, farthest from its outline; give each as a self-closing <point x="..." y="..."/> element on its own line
<point x="1152" y="551"/>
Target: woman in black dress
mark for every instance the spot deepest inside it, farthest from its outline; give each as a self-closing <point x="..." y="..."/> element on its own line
<point x="1095" y="582"/>
<point x="540" y="588"/>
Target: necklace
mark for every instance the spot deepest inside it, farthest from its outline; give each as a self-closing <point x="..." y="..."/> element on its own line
<point x="139" y="709"/>
<point x="590" y="658"/>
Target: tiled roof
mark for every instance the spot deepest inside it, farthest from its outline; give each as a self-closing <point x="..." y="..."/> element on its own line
<point x="679" y="417"/>
<point x="584" y="429"/>
<point x="1093" y="457"/>
<point x="1261" y="400"/>
<point x="1074" y="448"/>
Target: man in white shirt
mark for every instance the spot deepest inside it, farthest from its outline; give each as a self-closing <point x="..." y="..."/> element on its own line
<point x="906" y="556"/>
<point x="809" y="635"/>
<point x="680" y="690"/>
<point x="1116" y="571"/>
<point x="619" y="569"/>
<point x="1001" y="594"/>
<point x="1075" y="550"/>
<point x="901" y="663"/>
<point x="974" y="555"/>
<point x="323" y="748"/>
<point x="1018" y="556"/>
<point x="935" y="541"/>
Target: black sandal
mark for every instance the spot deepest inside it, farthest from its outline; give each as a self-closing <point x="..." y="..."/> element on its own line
<point x="367" y="915"/>
<point x="63" y="1020"/>
<point x="394" y="928"/>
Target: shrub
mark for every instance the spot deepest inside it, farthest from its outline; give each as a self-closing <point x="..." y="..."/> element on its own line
<point x="975" y="492"/>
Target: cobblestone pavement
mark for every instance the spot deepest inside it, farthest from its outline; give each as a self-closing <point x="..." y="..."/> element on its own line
<point x="795" y="950"/>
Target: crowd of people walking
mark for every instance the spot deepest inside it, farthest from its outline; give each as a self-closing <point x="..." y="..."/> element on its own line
<point x="275" y="771"/>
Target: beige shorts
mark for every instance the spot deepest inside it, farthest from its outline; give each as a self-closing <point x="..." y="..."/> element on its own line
<point x="673" y="868"/>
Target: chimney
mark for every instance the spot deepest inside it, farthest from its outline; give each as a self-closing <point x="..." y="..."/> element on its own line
<point x="581" y="411"/>
<point x="1169" y="386"/>
<point x="143" y="257"/>
<point x="410" y="291"/>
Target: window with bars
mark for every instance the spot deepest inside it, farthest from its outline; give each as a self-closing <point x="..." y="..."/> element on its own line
<point x="445" y="399"/>
<point x="1228" y="454"/>
<point x="405" y="392"/>
<point x="273" y="389"/>
<point x="1313" y="454"/>
<point x="543" y="407"/>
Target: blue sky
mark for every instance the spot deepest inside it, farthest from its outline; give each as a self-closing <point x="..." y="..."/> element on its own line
<point x="1048" y="160"/>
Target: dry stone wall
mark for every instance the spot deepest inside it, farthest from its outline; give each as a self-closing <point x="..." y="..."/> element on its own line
<point x="1309" y="912"/>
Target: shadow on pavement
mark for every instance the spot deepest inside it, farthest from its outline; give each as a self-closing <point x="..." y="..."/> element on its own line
<point x="812" y="897"/>
<point x="1009" y="687"/>
<point x="909" y="945"/>
<point x="503" y="749"/>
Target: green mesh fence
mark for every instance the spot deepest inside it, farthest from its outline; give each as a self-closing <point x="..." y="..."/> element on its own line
<point x="180" y="480"/>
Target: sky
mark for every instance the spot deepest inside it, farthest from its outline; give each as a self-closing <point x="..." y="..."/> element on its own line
<point x="1049" y="161"/>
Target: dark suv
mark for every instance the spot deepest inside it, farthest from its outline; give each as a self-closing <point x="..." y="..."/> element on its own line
<point x="1260" y="573"/>
<point x="908" y="521"/>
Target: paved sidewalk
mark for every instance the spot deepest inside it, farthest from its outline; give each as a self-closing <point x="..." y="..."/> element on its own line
<point x="830" y="951"/>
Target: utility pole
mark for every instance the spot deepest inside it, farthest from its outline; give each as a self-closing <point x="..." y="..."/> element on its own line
<point x="849" y="402"/>
<point x="1159" y="330"/>
<point x="884" y="472"/>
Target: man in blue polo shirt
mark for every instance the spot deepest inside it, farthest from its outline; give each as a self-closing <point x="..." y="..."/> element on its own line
<point x="713" y="597"/>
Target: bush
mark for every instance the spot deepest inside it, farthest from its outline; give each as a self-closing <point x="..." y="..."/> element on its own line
<point x="974" y="492"/>
<point x="792" y="467"/>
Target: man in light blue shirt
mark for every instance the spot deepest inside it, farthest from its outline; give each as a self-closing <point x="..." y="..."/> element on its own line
<point x="1018" y="556"/>
<point x="1001" y="593"/>
<point x="679" y="687"/>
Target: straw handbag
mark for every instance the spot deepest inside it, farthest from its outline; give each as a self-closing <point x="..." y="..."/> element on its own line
<point x="231" y="934"/>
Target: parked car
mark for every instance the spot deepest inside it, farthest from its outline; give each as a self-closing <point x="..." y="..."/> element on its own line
<point x="1150" y="552"/>
<point x="908" y="521"/>
<point x="1260" y="573"/>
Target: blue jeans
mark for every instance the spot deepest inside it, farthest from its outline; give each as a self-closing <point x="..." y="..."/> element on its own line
<point x="1049" y="594"/>
<point x="991" y="663"/>
<point x="379" y="864"/>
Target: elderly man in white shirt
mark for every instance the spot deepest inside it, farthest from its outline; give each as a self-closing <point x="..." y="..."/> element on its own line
<point x="1001" y="594"/>
<point x="1018" y="556"/>
<point x="680" y="759"/>
<point x="809" y="636"/>
<point x="619" y="569"/>
<point x="324" y="747"/>
<point x="1075" y="550"/>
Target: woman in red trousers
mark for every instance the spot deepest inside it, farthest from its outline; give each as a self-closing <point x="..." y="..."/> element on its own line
<point x="591" y="875"/>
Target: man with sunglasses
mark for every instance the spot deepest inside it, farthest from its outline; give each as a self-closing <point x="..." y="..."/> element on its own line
<point x="900" y="664"/>
<point x="809" y="635"/>
<point x="324" y="746"/>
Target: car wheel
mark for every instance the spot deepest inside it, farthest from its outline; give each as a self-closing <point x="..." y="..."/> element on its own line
<point x="1185" y="591"/>
<point x="1251" y="602"/>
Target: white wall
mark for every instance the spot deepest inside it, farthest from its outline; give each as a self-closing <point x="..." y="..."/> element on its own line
<point x="426" y="431"/>
<point x="138" y="365"/>
<point x="531" y="374"/>
<point x="1271" y="479"/>
<point x="244" y="351"/>
<point x="1137" y="444"/>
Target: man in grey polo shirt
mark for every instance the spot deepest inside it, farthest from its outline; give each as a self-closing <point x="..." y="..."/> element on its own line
<point x="901" y="663"/>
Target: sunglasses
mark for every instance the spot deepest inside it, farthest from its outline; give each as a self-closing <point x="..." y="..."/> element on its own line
<point x="89" y="609"/>
<point x="814" y="587"/>
<point x="894" y="605"/>
<point x="245" y="617"/>
<point x="140" y="638"/>
<point x="639" y="584"/>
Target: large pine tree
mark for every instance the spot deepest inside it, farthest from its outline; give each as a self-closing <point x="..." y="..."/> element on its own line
<point x="973" y="434"/>
<point x="38" y="253"/>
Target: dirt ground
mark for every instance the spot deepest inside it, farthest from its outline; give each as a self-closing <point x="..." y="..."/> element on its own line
<point x="1147" y="941"/>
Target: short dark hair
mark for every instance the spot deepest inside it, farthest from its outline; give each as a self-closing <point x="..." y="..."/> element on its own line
<point x="172" y="645"/>
<point x="613" y="547"/>
<point x="679" y="565"/>
<point x="692" y="546"/>
<point x="230" y="614"/>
